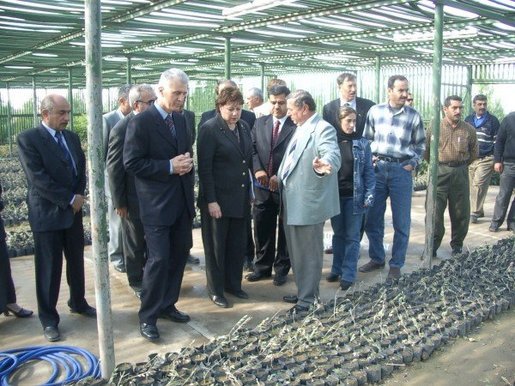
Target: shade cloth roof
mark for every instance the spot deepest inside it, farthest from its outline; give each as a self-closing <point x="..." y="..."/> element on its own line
<point x="44" y="38"/>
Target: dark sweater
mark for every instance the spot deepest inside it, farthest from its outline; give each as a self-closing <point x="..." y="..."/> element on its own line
<point x="486" y="132"/>
<point x="505" y="143"/>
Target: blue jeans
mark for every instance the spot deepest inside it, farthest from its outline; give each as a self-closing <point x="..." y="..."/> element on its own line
<point x="346" y="228"/>
<point x="393" y="181"/>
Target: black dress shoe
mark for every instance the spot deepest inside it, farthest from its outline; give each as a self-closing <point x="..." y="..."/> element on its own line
<point x="20" y="313"/>
<point x="256" y="276"/>
<point x="174" y="315"/>
<point x="332" y="277"/>
<point x="220" y="301"/>
<point x="149" y="331"/>
<point x="371" y="266"/>
<point x="291" y="299"/>
<point x="120" y="268"/>
<point x="279" y="280"/>
<point x="238" y="293"/>
<point x="494" y="227"/>
<point x="296" y="309"/>
<point x="193" y="260"/>
<point x="51" y="333"/>
<point x="87" y="311"/>
<point x="137" y="290"/>
<point x="345" y="285"/>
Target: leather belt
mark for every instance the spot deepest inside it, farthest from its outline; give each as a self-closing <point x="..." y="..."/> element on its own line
<point x="391" y="159"/>
<point x="453" y="164"/>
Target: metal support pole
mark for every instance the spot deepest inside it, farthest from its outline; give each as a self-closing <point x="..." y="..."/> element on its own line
<point x="93" y="27"/>
<point x="70" y="96"/>
<point x="262" y="66"/>
<point x="467" y="98"/>
<point x="227" y="57"/>
<point x="34" y="103"/>
<point x="129" y="69"/>
<point x="378" y="79"/>
<point x="435" y="129"/>
<point x="9" y="119"/>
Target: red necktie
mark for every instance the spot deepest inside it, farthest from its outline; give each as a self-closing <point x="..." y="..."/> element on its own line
<point x="275" y="134"/>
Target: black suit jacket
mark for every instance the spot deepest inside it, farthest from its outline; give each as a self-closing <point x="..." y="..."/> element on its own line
<point x="50" y="180"/>
<point x="223" y="167"/>
<point x="331" y="114"/>
<point x="262" y="141"/>
<point x="248" y="116"/>
<point x="121" y="183"/>
<point x="147" y="151"/>
<point x="189" y="116"/>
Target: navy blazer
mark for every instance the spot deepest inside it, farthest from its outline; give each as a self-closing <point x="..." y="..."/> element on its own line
<point x="262" y="141"/>
<point x="50" y="178"/>
<point x="223" y="167"/>
<point x="149" y="146"/>
<point x="331" y="113"/>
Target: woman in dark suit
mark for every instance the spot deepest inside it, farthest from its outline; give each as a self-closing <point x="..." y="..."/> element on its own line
<point x="224" y="158"/>
<point x="7" y="292"/>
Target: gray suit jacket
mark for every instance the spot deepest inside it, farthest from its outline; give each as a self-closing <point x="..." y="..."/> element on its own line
<point x="309" y="198"/>
<point x="108" y="121"/>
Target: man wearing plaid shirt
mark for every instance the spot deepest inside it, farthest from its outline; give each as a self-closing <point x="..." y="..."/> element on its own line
<point x="396" y="132"/>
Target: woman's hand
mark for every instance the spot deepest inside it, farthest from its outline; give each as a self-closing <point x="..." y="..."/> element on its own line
<point x="214" y="210"/>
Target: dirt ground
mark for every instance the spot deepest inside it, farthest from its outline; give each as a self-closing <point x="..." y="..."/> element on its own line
<point x="485" y="357"/>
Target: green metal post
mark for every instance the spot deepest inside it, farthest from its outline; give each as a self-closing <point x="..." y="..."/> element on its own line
<point x="435" y="129"/>
<point x="129" y="70"/>
<point x="34" y="103"/>
<point x="467" y="98"/>
<point x="227" y="57"/>
<point x="378" y="79"/>
<point x="93" y="28"/>
<point x="262" y="67"/>
<point x="9" y="119"/>
<point x="70" y="96"/>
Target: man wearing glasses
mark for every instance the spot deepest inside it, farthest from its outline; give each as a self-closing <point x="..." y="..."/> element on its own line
<point x="123" y="190"/>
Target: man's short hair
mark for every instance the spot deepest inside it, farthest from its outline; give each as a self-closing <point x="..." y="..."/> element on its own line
<point x="345" y="76"/>
<point x="274" y="82"/>
<point x="173" y="73"/>
<point x="480" y="97"/>
<point x="393" y="78"/>
<point x="279" y="90"/>
<point x="254" y="91"/>
<point x="447" y="101"/>
<point x="301" y="98"/>
<point x="139" y="89"/>
<point x="226" y="82"/>
<point x="123" y="91"/>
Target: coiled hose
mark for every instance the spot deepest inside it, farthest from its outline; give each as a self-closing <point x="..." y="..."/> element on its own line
<point x="65" y="360"/>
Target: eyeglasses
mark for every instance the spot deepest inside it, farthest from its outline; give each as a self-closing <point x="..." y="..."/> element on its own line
<point x="150" y="102"/>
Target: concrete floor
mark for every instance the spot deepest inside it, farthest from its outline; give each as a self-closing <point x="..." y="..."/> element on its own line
<point x="207" y="320"/>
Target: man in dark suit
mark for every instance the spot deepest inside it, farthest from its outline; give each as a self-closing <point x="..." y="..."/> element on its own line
<point x="348" y="91"/>
<point x="110" y="119"/>
<point x="271" y="134"/>
<point x="123" y="189"/>
<point x="55" y="166"/>
<point x="249" y="117"/>
<point x="158" y="151"/>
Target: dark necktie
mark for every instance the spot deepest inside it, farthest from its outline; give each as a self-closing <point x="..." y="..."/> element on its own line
<point x="275" y="134"/>
<point x="65" y="151"/>
<point x="171" y="126"/>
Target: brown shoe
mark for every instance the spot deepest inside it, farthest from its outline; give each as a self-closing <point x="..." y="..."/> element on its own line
<point x="394" y="273"/>
<point x="371" y="266"/>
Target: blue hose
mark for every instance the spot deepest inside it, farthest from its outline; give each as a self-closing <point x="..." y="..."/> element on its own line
<point x="63" y="359"/>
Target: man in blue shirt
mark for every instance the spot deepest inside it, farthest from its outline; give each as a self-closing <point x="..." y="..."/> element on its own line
<point x="397" y="136"/>
<point x="480" y="171"/>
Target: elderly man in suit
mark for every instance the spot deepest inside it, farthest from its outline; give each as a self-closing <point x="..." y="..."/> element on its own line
<point x="123" y="189"/>
<point x="271" y="135"/>
<point x="309" y="192"/>
<point x="157" y="152"/>
<point x="110" y="119"/>
<point x="55" y="166"/>
<point x="347" y="86"/>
